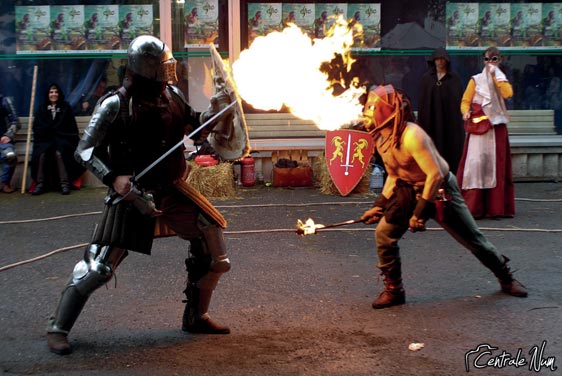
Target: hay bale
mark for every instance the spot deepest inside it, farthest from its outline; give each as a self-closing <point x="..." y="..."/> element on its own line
<point x="324" y="182"/>
<point x="212" y="181"/>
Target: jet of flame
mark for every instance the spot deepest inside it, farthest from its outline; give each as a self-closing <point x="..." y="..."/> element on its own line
<point x="284" y="69"/>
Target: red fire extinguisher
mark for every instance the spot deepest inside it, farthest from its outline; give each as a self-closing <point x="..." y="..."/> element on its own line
<point x="248" y="172"/>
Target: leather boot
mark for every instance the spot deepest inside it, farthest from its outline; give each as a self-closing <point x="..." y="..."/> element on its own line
<point x="58" y="343"/>
<point x="64" y="189"/>
<point x="197" y="301"/>
<point x="6" y="188"/>
<point x="508" y="284"/>
<point x="68" y="309"/>
<point x="38" y="190"/>
<point x="393" y="293"/>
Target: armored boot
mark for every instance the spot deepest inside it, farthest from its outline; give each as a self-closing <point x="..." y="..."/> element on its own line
<point x="66" y="313"/>
<point x="508" y="284"/>
<point x="203" y="273"/>
<point x="393" y="293"/>
<point x="195" y="317"/>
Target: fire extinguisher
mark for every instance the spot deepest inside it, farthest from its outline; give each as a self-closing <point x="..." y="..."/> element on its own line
<point x="248" y="172"/>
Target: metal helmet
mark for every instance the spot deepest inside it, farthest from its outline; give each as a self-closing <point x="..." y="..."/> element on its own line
<point x="383" y="104"/>
<point x="149" y="57"/>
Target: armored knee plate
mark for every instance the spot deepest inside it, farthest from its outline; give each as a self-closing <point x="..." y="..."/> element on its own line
<point x="215" y="246"/>
<point x="94" y="270"/>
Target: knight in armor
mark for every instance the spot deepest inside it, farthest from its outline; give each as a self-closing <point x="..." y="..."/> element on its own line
<point x="129" y="129"/>
<point x="416" y="174"/>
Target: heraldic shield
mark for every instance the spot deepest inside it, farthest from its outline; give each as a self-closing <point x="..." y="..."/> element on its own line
<point x="348" y="153"/>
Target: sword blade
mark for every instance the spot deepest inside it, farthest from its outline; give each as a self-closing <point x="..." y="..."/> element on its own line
<point x="213" y="118"/>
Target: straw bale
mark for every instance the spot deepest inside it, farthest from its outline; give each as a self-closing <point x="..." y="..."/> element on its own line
<point x="212" y="181"/>
<point x="324" y="182"/>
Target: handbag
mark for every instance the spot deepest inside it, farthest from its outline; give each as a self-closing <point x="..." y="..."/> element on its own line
<point x="478" y="123"/>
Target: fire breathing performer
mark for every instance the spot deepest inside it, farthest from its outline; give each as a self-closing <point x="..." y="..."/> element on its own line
<point x="129" y="129"/>
<point x="416" y="173"/>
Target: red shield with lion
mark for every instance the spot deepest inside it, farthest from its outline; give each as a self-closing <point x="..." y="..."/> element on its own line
<point x="348" y="153"/>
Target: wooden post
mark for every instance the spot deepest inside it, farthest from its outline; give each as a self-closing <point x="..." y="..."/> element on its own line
<point x="29" y="127"/>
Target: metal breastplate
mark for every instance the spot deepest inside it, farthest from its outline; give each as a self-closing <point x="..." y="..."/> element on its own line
<point x="152" y="130"/>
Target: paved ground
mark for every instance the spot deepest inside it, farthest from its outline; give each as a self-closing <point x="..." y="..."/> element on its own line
<point x="296" y="305"/>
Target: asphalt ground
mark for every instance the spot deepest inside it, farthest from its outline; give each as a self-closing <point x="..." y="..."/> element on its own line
<point x="296" y="305"/>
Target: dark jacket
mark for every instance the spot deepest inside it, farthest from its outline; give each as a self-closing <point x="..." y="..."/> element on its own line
<point x="439" y="111"/>
<point x="58" y="134"/>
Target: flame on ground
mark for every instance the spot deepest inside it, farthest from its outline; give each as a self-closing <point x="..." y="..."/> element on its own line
<point x="284" y="68"/>
<point x="308" y="227"/>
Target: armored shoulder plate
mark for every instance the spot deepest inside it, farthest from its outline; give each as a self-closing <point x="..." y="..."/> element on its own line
<point x="108" y="108"/>
<point x="176" y="90"/>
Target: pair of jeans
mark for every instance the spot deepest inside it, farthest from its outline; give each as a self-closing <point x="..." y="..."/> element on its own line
<point x="8" y="164"/>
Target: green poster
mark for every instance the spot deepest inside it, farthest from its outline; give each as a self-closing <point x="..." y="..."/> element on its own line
<point x="134" y="20"/>
<point x="101" y="27"/>
<point x="201" y="23"/>
<point x="494" y="25"/>
<point x="32" y="29"/>
<point x="462" y="22"/>
<point x="526" y="21"/>
<point x="263" y="18"/>
<point x="326" y="15"/>
<point x="365" y="21"/>
<point x="66" y="27"/>
<point x="300" y="14"/>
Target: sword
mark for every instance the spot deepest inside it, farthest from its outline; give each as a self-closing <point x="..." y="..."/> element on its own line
<point x="151" y="166"/>
<point x="347" y="165"/>
<point x="134" y="179"/>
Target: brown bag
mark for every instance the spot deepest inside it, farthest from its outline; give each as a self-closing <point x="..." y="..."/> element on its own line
<point x="478" y="123"/>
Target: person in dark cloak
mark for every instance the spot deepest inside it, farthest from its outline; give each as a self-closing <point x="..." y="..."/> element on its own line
<point x="440" y="96"/>
<point x="55" y="137"/>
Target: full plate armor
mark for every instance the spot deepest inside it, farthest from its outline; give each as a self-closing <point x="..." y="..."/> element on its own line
<point x="129" y="129"/>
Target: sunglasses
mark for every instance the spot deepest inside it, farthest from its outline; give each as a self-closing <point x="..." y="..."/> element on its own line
<point x="494" y="59"/>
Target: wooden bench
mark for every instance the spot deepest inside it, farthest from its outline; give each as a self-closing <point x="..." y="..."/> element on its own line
<point x="535" y="145"/>
<point x="20" y="146"/>
<point x="531" y="122"/>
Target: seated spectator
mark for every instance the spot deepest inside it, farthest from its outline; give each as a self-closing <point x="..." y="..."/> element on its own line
<point x="55" y="137"/>
<point x="9" y="125"/>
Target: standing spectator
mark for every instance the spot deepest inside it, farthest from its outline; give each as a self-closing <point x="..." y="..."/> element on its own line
<point x="55" y="137"/>
<point x="9" y="125"/>
<point x="439" y="99"/>
<point x="485" y="174"/>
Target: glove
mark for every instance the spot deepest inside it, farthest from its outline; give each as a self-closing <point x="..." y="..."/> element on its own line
<point x="144" y="202"/>
<point x="218" y="101"/>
